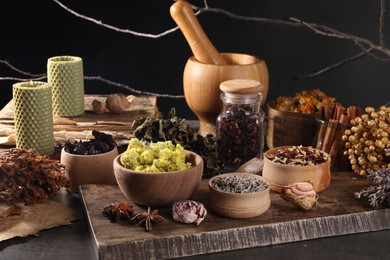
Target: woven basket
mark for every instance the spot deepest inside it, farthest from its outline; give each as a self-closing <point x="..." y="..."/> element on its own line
<point x="289" y="128"/>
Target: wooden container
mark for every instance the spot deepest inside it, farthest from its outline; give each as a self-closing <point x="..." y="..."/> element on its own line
<point x="289" y="128"/>
<point x="89" y="169"/>
<point x="239" y="205"/>
<point x="159" y="189"/>
<point x="201" y="84"/>
<point x="208" y="68"/>
<point x="279" y="175"/>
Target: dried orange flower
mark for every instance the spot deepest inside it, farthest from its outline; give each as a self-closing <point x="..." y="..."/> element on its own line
<point x="306" y="102"/>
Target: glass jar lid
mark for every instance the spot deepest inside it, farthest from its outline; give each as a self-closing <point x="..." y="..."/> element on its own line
<point x="245" y="91"/>
<point x="241" y="86"/>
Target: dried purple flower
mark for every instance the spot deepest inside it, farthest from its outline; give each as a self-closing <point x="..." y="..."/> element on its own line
<point x="188" y="211"/>
<point x="379" y="192"/>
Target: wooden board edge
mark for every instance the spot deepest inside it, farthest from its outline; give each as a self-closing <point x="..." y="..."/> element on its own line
<point x="249" y="237"/>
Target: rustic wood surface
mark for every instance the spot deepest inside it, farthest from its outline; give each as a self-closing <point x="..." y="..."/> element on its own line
<point x="138" y="104"/>
<point x="118" y="125"/>
<point x="337" y="213"/>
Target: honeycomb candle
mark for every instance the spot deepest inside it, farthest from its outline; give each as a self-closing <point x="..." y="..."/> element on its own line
<point x="33" y="116"/>
<point x="65" y="75"/>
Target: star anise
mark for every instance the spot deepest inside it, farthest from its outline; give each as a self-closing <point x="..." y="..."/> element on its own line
<point x="148" y="219"/>
<point x="118" y="211"/>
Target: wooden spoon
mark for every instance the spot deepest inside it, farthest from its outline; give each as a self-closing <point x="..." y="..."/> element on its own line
<point x="203" y="50"/>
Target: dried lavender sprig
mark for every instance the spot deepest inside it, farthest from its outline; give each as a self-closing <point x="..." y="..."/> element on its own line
<point x="239" y="184"/>
<point x="378" y="193"/>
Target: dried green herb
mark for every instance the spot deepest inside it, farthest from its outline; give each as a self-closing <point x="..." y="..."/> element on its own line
<point x="156" y="128"/>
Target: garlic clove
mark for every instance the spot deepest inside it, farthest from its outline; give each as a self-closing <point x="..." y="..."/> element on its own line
<point x="98" y="107"/>
<point x="117" y="103"/>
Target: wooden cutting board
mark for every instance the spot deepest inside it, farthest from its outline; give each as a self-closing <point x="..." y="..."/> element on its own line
<point x="337" y="213"/>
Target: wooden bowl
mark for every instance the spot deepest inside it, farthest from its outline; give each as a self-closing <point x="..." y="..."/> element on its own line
<point x="201" y="84"/>
<point x="239" y="205"/>
<point x="279" y="175"/>
<point x="301" y="128"/>
<point x="159" y="189"/>
<point x="89" y="169"/>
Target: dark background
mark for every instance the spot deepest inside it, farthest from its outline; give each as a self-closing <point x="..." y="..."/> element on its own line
<point x="33" y="31"/>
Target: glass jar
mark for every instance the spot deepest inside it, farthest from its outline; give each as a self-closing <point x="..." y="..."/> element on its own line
<point x="240" y="125"/>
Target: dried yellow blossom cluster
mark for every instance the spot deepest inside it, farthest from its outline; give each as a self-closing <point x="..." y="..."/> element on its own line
<point x="367" y="141"/>
<point x="154" y="157"/>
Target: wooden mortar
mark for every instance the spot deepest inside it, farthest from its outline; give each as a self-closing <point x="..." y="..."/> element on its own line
<point x="207" y="69"/>
<point x="201" y="84"/>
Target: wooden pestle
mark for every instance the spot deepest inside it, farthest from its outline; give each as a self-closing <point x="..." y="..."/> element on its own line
<point x="203" y="50"/>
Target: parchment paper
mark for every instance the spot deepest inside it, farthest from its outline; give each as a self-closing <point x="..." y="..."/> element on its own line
<point x="36" y="217"/>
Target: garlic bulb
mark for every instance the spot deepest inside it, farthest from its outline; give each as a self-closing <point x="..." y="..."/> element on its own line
<point x="301" y="194"/>
<point x="189" y="211"/>
<point x="117" y="103"/>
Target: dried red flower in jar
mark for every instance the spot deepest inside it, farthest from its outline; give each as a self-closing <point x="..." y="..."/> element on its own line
<point x="240" y="130"/>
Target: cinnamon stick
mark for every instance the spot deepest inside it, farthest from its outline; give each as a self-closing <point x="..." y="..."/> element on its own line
<point x="329" y="110"/>
<point x="337" y="140"/>
<point x="329" y="135"/>
<point x="321" y="112"/>
<point x="358" y="111"/>
<point x="351" y="112"/>
<point x="339" y="110"/>
<point x="321" y="135"/>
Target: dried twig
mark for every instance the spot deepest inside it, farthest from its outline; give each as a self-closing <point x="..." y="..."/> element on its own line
<point x="98" y="78"/>
<point x="111" y="27"/>
<point x="293" y="22"/>
<point x="317" y="28"/>
<point x="21" y="71"/>
<point x="120" y="85"/>
<point x="366" y="46"/>
<point x="360" y="42"/>
<point x="382" y="24"/>
<point x="321" y="71"/>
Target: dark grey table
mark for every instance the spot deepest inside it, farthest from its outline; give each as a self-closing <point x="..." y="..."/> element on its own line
<point x="74" y="242"/>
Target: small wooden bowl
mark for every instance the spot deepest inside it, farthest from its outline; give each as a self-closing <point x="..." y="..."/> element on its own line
<point x="279" y="175"/>
<point x="89" y="169"/>
<point x="159" y="189"/>
<point x="239" y="205"/>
